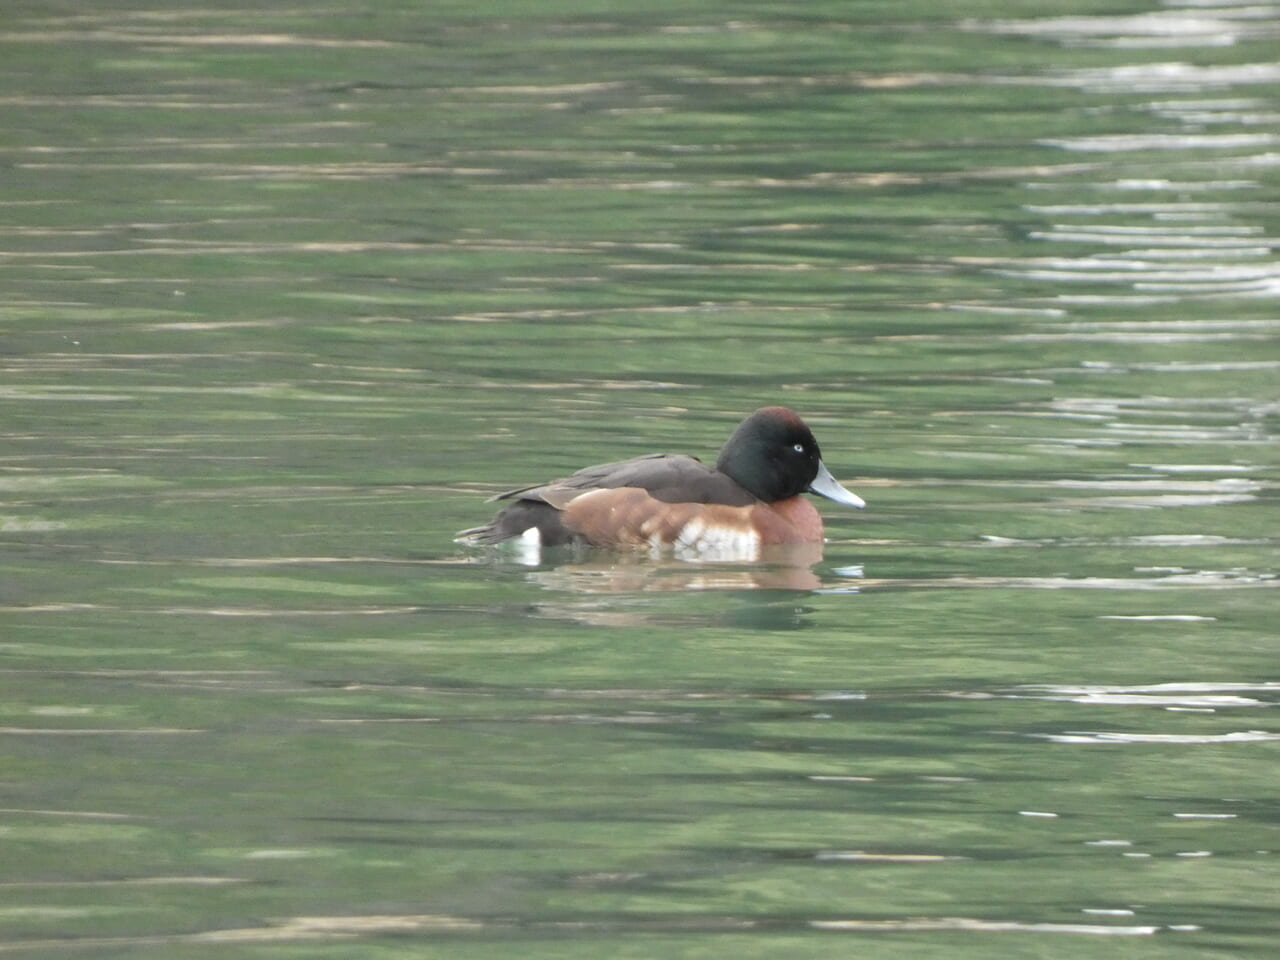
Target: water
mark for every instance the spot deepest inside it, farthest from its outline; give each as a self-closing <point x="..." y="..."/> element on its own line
<point x="288" y="292"/>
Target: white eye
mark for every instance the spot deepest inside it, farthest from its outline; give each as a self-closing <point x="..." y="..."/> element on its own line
<point x="798" y="448"/>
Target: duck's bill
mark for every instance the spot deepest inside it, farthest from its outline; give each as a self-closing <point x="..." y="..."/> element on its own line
<point x="825" y="485"/>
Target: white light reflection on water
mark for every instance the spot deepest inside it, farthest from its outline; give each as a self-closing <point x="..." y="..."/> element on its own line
<point x="1168" y="257"/>
<point x="1155" y="77"/>
<point x="1187" y="250"/>
<point x="1198" y="579"/>
<point x="1120" y="142"/>
<point x="968" y="925"/>
<point x="1099" y="737"/>
<point x="1174" y="617"/>
<point x="1199" y="695"/>
<point x="1221" y="27"/>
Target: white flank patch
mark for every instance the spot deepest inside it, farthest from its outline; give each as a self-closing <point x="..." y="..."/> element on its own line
<point x="528" y="547"/>
<point x="697" y="541"/>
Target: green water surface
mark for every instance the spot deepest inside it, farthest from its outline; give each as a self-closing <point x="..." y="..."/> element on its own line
<point x="286" y="292"/>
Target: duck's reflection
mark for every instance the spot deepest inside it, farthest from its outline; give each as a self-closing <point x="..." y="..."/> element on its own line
<point x="776" y="567"/>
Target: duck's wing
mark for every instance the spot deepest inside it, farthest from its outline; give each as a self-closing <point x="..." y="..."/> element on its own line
<point x="669" y="478"/>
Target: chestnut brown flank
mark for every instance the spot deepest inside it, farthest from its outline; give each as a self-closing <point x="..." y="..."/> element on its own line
<point x="629" y="516"/>
<point x="794" y="520"/>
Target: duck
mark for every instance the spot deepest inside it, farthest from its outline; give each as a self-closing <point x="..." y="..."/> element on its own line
<point x="751" y="498"/>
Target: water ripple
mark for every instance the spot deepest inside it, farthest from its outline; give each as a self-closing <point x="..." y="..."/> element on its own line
<point x="1098" y="737"/>
<point x="1162" y="28"/>
<point x="1123" y="142"/>
<point x="1200" y="695"/>
<point x="1154" y="77"/>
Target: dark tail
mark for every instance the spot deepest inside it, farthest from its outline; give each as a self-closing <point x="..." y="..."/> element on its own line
<point x="514" y="519"/>
<point x="478" y="536"/>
